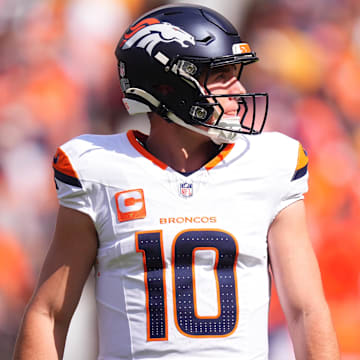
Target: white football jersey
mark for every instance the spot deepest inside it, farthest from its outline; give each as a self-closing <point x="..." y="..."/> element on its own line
<point x="182" y="265"/>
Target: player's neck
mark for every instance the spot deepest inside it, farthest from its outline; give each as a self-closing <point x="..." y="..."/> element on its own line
<point x="180" y="148"/>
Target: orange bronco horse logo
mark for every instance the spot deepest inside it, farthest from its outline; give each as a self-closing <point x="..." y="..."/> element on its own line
<point x="149" y="32"/>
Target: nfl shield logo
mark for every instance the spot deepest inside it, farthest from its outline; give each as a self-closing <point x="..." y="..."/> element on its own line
<point x="186" y="190"/>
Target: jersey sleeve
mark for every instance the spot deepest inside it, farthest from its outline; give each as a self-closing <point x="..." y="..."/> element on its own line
<point x="297" y="185"/>
<point x="72" y="191"/>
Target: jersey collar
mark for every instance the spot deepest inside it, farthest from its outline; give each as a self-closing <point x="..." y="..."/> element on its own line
<point x="137" y="139"/>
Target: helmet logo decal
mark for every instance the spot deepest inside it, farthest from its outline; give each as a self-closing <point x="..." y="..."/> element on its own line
<point x="241" y="48"/>
<point x="150" y="32"/>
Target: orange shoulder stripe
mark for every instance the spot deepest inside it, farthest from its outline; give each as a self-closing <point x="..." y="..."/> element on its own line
<point x="62" y="164"/>
<point x="303" y="159"/>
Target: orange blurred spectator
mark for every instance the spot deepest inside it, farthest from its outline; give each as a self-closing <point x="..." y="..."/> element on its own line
<point x="16" y="275"/>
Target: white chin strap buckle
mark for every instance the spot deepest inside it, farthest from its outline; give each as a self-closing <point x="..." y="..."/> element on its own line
<point x="221" y="136"/>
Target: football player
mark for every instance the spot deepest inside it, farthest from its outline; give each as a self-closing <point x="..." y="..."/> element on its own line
<point x="183" y="224"/>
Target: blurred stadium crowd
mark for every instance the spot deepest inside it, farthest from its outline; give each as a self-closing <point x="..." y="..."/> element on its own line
<point x="58" y="79"/>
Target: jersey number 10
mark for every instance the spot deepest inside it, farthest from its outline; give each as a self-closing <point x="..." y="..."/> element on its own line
<point x="187" y="319"/>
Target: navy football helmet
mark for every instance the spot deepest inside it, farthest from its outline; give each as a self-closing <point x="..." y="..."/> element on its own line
<point x="161" y="57"/>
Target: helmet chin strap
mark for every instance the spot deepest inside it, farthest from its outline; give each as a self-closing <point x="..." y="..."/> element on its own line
<point x="232" y="123"/>
<point x="218" y="136"/>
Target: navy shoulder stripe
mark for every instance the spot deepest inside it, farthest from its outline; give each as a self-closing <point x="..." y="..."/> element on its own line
<point x="300" y="173"/>
<point x="67" y="179"/>
<point x="302" y="164"/>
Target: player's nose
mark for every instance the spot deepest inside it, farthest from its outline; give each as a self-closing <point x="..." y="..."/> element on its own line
<point x="237" y="88"/>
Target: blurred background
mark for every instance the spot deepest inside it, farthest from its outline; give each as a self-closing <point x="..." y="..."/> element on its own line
<point x="58" y="78"/>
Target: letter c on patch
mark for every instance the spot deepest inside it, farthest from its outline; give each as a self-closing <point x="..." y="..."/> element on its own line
<point x="130" y="205"/>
